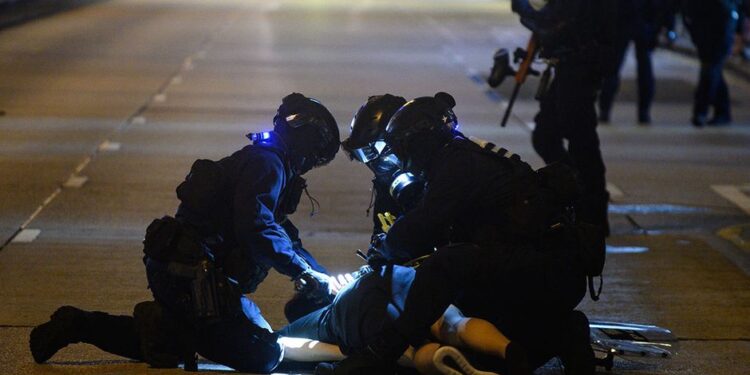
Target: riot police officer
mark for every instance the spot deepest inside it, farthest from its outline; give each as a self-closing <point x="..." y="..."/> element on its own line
<point x="502" y="254"/>
<point x="393" y="190"/>
<point x="574" y="35"/>
<point x="231" y="227"/>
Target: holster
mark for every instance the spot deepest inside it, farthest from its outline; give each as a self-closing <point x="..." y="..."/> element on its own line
<point x="211" y="295"/>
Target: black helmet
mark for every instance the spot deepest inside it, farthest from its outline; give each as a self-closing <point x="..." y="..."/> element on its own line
<point x="365" y="143"/>
<point x="309" y="131"/>
<point x="420" y="128"/>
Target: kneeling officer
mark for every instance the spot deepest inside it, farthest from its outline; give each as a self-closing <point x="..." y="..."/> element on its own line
<point x="230" y="228"/>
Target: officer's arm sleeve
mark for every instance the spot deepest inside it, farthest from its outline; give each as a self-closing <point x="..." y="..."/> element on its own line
<point x="257" y="194"/>
<point x="427" y="226"/>
<point x="293" y="233"/>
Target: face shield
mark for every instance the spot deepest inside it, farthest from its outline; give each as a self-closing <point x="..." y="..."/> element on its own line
<point x="369" y="152"/>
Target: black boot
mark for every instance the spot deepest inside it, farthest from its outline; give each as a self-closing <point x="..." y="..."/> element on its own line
<point x="62" y="329"/>
<point x="158" y="336"/>
<point x="69" y="325"/>
<point x="500" y="68"/>
<point x="576" y="353"/>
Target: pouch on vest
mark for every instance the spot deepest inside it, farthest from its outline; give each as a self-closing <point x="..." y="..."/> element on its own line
<point x="202" y="189"/>
<point x="591" y="250"/>
<point x="161" y="238"/>
<point x="212" y="295"/>
<point x="292" y="195"/>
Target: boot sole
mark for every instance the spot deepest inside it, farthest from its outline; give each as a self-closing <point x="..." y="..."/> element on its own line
<point x="463" y="364"/>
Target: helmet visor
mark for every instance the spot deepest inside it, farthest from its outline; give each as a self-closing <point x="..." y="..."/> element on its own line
<point x="369" y="152"/>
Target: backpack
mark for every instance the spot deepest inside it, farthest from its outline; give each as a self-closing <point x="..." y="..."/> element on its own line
<point x="544" y="209"/>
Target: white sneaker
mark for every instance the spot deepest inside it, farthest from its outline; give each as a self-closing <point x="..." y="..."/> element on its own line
<point x="458" y="360"/>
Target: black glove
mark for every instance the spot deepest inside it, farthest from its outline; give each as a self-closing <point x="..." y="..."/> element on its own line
<point x="313" y="283"/>
<point x="375" y="254"/>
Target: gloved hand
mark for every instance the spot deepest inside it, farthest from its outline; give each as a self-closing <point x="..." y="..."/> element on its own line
<point x="375" y="255"/>
<point x="314" y="283"/>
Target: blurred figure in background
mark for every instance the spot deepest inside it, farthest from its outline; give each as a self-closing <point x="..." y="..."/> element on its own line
<point x="639" y="21"/>
<point x="712" y="25"/>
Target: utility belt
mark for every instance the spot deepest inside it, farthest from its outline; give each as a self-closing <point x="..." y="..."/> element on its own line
<point x="174" y="247"/>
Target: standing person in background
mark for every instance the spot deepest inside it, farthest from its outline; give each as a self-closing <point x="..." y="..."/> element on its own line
<point x="638" y="21"/>
<point x="575" y="36"/>
<point x="712" y="25"/>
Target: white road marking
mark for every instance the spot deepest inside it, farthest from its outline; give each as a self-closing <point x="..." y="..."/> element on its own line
<point x="41" y="207"/>
<point x="614" y="191"/>
<point x="138" y="120"/>
<point x="26" y="235"/>
<point x="734" y="194"/>
<point x="75" y="181"/>
<point x="626" y="249"/>
<point x="82" y="165"/>
<point x="160" y="98"/>
<point x="110" y="146"/>
<point x="176" y="80"/>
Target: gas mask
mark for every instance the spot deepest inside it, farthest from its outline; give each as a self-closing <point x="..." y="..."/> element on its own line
<point x="404" y="187"/>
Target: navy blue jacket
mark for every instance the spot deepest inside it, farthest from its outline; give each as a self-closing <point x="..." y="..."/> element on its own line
<point x="247" y="224"/>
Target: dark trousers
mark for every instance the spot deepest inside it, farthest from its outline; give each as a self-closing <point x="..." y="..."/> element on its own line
<point x="611" y="80"/>
<point x="712" y="91"/>
<point x="360" y="313"/>
<point x="567" y="112"/>
<point x="714" y="43"/>
<point x="526" y="293"/>
<point x="244" y="342"/>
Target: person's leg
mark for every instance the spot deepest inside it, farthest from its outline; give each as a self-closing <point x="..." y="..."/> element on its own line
<point x="643" y="51"/>
<point x="547" y="137"/>
<point x="577" y="117"/>
<point x="611" y="81"/>
<point x="243" y="342"/>
<point x="309" y="326"/>
<point x="423" y="359"/>
<point x="722" y="112"/>
<point x="301" y="349"/>
<point x="68" y="325"/>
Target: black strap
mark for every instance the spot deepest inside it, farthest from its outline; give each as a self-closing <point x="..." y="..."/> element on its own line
<point x="595" y="294"/>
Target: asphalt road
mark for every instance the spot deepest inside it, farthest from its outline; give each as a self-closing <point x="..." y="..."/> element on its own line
<point x="105" y="107"/>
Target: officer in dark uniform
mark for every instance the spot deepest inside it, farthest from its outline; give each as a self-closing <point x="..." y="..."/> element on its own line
<point x="231" y="227"/>
<point x="639" y="21"/>
<point x="497" y="256"/>
<point x="573" y="35"/>
<point x="491" y="219"/>
<point x="712" y="25"/>
<point x="393" y="190"/>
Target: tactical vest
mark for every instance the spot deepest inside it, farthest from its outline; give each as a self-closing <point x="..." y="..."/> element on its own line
<point x="542" y="211"/>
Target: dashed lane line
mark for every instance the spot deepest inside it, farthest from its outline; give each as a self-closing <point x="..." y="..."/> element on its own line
<point x="108" y="146"/>
<point x="614" y="191"/>
<point x="136" y="118"/>
<point x="75" y="182"/>
<point x="734" y="194"/>
<point x="27" y="236"/>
